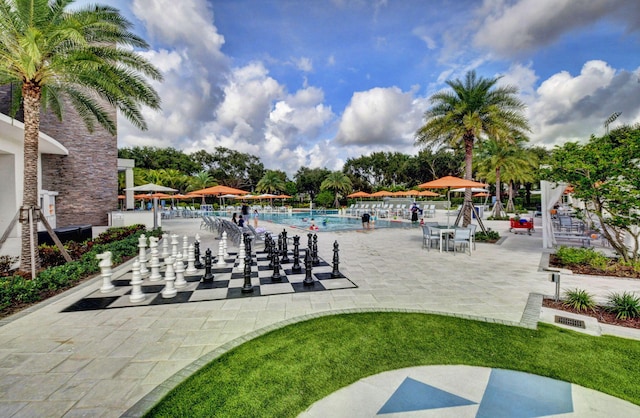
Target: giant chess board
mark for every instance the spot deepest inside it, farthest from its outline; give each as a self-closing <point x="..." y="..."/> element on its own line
<point x="227" y="284"/>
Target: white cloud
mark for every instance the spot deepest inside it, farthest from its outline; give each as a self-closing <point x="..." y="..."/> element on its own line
<point x="422" y="33"/>
<point x="380" y="116"/>
<point x="513" y="28"/>
<point x="567" y="107"/>
<point x="304" y="64"/>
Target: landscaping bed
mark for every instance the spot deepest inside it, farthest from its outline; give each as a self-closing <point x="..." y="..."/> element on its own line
<point x="599" y="312"/>
<point x="589" y="261"/>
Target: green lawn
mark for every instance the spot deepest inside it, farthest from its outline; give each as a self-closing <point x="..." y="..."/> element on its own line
<point x="283" y="372"/>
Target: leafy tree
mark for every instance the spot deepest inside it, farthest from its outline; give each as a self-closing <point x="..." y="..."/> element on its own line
<point x="338" y="182"/>
<point x="522" y="168"/>
<point x="429" y="165"/>
<point x="231" y="168"/>
<point x="55" y="54"/>
<point x="201" y="180"/>
<point x="272" y="182"/>
<point x="309" y="180"/>
<point x="604" y="174"/>
<point x="324" y="198"/>
<point x="472" y="110"/>
<point x="161" y="158"/>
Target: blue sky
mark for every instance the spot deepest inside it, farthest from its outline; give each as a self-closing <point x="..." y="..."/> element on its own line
<point x="312" y="83"/>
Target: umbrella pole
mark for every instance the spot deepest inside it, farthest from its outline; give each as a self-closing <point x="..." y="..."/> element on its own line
<point x="155" y="213"/>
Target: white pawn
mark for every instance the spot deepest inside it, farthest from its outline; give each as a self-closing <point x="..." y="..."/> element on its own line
<point x="105" y="271"/>
<point x="169" y="290"/>
<point x="185" y="248"/>
<point x="191" y="260"/>
<point x="221" y="254"/>
<point x="142" y="244"/>
<point x="136" y="284"/>
<point x="155" y="260"/>
<point x="241" y="254"/>
<point x="224" y="244"/>
<point x="179" y="267"/>
<point x="174" y="245"/>
<point x="198" y="237"/>
<point x="165" y="246"/>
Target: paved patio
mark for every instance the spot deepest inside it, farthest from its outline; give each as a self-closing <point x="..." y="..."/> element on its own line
<point x="102" y="363"/>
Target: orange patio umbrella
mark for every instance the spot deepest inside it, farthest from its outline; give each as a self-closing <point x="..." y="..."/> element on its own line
<point x="450" y="182"/>
<point x="282" y="196"/>
<point x="382" y="193"/>
<point x="358" y="194"/>
<point x="219" y="190"/>
<point x="428" y="193"/>
<point x="481" y="194"/>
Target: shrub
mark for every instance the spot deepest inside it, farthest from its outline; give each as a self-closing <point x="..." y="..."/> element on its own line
<point x="625" y="305"/>
<point x="6" y="262"/>
<point x="584" y="256"/>
<point x="579" y="300"/>
<point x="488" y="236"/>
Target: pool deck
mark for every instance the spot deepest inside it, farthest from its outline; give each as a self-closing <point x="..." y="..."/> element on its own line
<point x="107" y="363"/>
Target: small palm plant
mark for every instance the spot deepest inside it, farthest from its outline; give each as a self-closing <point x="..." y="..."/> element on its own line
<point x="579" y="299"/>
<point x="625" y="305"/>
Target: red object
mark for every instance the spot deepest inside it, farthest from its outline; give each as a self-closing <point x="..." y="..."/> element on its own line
<point x="521" y="224"/>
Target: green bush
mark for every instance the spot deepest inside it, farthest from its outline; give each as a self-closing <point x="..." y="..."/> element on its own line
<point x="625" y="305"/>
<point x="582" y="256"/>
<point x="487" y="236"/>
<point x="6" y="262"/>
<point x="579" y="300"/>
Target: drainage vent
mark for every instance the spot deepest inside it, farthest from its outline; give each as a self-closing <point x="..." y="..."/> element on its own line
<point x="570" y="322"/>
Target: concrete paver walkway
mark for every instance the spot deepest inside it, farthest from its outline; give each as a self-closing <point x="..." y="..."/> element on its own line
<point x="101" y="363"/>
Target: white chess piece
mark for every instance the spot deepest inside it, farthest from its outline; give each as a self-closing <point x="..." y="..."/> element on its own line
<point x="105" y="271"/>
<point x="224" y="244"/>
<point x="191" y="260"/>
<point x="136" y="284"/>
<point x="169" y="290"/>
<point x="142" y="244"/>
<point x="174" y="245"/>
<point x="165" y="246"/>
<point x="241" y="254"/>
<point x="221" y="254"/>
<point x="155" y="260"/>
<point x="179" y="268"/>
<point x="185" y="248"/>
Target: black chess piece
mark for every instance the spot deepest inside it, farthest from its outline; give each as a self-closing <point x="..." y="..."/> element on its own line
<point x="296" y="268"/>
<point x="310" y="241"/>
<point x="314" y="252"/>
<point x="279" y="245"/>
<point x="336" y="261"/>
<point x="276" y="277"/>
<point x="247" y="287"/>
<point x="208" y="275"/>
<point x="285" y="250"/>
<point x="270" y="252"/>
<point x="308" y="280"/>
<point x="196" y="252"/>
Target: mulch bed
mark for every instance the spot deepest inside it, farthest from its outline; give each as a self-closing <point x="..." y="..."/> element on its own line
<point x="599" y="313"/>
<point x="613" y="270"/>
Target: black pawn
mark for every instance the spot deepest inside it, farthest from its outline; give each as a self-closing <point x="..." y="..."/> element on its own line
<point x="247" y="287"/>
<point x="314" y="252"/>
<point x="296" y="268"/>
<point x="196" y="252"/>
<point x="308" y="280"/>
<point x="208" y="275"/>
<point x="310" y="240"/>
<point x="276" y="277"/>
<point x="270" y="252"/>
<point x="336" y="261"/>
<point x="285" y="250"/>
<point x="279" y="244"/>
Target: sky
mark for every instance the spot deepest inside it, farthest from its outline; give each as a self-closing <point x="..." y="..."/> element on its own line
<point x="314" y="82"/>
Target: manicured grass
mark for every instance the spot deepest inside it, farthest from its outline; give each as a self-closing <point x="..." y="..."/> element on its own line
<point x="282" y="373"/>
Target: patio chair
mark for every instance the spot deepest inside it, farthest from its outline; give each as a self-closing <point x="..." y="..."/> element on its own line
<point x="430" y="212"/>
<point x="428" y="237"/>
<point x="462" y="236"/>
<point x="473" y="227"/>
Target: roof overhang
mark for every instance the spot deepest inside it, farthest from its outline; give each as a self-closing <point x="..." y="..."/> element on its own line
<point x="13" y="130"/>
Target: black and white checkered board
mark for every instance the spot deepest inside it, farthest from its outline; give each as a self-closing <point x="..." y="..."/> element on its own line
<point x="227" y="284"/>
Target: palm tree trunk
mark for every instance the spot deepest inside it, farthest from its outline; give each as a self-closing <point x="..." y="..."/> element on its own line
<point x="31" y="96"/>
<point x="468" y="160"/>
<point x="497" y="207"/>
<point x="510" y="205"/>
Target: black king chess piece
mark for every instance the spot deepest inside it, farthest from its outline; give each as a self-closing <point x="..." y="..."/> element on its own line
<point x="247" y="287"/>
<point x="308" y="280"/>
<point x="285" y="251"/>
<point x="208" y="275"/>
<point x="196" y="252"/>
<point x="296" y="268"/>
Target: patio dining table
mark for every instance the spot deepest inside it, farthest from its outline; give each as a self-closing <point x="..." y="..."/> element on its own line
<point x="446" y="232"/>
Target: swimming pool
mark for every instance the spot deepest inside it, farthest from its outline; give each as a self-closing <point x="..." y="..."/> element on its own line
<point x="326" y="223"/>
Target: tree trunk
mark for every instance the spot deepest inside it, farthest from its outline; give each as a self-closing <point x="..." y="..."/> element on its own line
<point x="497" y="207"/>
<point x="510" y="206"/>
<point x="468" y="160"/>
<point x="31" y="96"/>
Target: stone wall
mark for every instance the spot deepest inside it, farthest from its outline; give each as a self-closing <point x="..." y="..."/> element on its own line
<point x="87" y="178"/>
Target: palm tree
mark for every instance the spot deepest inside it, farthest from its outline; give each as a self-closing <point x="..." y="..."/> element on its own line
<point x="495" y="157"/>
<point x="53" y="53"/>
<point x="337" y="182"/>
<point x="473" y="110"/>
<point x="522" y="169"/>
<point x="201" y="180"/>
<point x="271" y="182"/>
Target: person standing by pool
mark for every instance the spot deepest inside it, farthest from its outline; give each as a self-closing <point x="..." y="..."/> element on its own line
<point x="255" y="218"/>
<point x="365" y="220"/>
<point x="234" y="218"/>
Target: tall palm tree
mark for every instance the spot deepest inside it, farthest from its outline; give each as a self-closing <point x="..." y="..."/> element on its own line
<point x="271" y="182"/>
<point x="472" y="110"/>
<point x="51" y="53"/>
<point x="337" y="182"/>
<point x="495" y="157"/>
<point x="201" y="180"/>
<point x="523" y="168"/>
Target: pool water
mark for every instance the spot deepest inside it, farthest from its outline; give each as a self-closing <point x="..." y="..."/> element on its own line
<point x="326" y="222"/>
